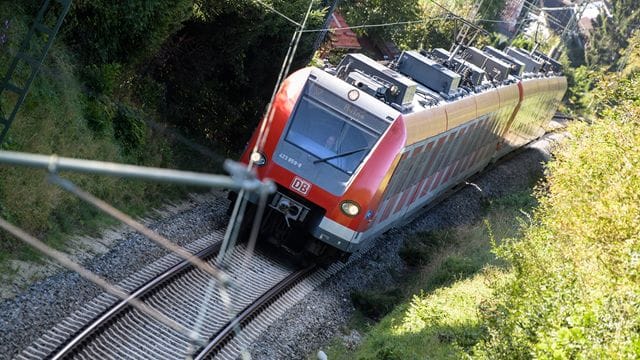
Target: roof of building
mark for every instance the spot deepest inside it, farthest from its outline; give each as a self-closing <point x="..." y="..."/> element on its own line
<point x="341" y="36"/>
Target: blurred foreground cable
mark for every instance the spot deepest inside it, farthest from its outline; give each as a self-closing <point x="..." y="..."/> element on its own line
<point x="124" y="218"/>
<point x="114" y="290"/>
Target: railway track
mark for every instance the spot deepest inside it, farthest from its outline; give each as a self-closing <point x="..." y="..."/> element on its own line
<point x="109" y="328"/>
<point x="106" y="328"/>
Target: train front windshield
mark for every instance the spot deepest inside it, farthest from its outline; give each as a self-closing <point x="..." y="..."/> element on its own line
<point x="329" y="135"/>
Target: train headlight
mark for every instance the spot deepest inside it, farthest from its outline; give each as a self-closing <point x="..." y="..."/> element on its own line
<point x="350" y="208"/>
<point x="258" y="159"/>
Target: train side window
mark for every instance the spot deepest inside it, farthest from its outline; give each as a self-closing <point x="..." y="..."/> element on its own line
<point x="398" y="177"/>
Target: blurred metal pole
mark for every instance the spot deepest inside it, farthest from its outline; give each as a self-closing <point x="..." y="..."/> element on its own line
<point x="240" y="179"/>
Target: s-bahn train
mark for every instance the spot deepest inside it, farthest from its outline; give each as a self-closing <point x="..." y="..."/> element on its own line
<point x="357" y="148"/>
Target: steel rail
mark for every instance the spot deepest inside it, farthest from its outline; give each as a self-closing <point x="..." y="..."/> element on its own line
<point x="240" y="321"/>
<point x="67" y="349"/>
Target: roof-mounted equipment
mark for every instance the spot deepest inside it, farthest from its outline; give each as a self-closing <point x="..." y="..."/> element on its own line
<point x="429" y="73"/>
<point x="531" y="65"/>
<point x="517" y="66"/>
<point x="372" y="85"/>
<point x="471" y="74"/>
<point x="553" y="64"/>
<point x="496" y="69"/>
<point x="401" y="89"/>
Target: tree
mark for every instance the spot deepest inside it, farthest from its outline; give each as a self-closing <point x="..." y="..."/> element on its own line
<point x="219" y="71"/>
<point x="104" y="31"/>
<point x="361" y="12"/>
<point x="612" y="33"/>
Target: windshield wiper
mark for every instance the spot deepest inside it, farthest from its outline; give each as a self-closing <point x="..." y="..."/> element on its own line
<point x="341" y="155"/>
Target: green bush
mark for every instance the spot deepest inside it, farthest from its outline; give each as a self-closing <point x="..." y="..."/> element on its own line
<point x="99" y="115"/>
<point x="453" y="269"/>
<point x="220" y="69"/>
<point x="103" y="79"/>
<point x="129" y="129"/>
<point x="387" y="352"/>
<point x="103" y="31"/>
<point x="419" y="248"/>
<point x="376" y="304"/>
<point x="581" y="82"/>
<point x="575" y="292"/>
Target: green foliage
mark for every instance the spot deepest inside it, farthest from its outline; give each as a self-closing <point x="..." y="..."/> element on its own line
<point x="211" y="81"/>
<point x="454" y="268"/>
<point x="104" y="31"/>
<point x="441" y="324"/>
<point x="380" y="12"/>
<point x="59" y="117"/>
<point x="376" y="304"/>
<point x="386" y="352"/>
<point x="437" y="30"/>
<point x="419" y="249"/>
<point x="219" y="71"/>
<point x="336" y="55"/>
<point x="521" y="201"/>
<point x="523" y="42"/>
<point x="129" y="129"/>
<point x="576" y="290"/>
<point x="99" y="115"/>
<point x="613" y="33"/>
<point x="430" y="34"/>
<point x="103" y="79"/>
<point x="630" y="63"/>
<point x="490" y="10"/>
<point x="580" y="83"/>
<point x="441" y="321"/>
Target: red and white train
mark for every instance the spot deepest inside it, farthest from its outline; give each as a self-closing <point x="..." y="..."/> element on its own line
<point x="356" y="149"/>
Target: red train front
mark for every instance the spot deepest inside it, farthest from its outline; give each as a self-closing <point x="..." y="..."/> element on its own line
<point x="328" y="148"/>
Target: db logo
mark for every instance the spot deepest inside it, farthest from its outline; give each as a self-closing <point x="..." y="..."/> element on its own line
<point x="300" y="186"/>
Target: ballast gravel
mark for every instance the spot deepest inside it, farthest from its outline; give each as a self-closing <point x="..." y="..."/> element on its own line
<point x="306" y="327"/>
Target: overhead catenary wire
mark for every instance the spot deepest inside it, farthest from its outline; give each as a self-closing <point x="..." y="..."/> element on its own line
<point x="467" y="22"/>
<point x="380" y="25"/>
<point x="238" y="209"/>
<point x="529" y="7"/>
<point x="278" y="12"/>
<point x="284" y="71"/>
<point x="553" y="19"/>
<point x="451" y="16"/>
<point x="240" y="179"/>
<point x="160" y="127"/>
<point x="366" y="26"/>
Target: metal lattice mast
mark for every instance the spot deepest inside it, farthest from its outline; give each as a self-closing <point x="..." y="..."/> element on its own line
<point x="52" y="11"/>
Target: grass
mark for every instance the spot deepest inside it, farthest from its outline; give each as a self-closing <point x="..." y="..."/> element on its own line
<point x="437" y="317"/>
